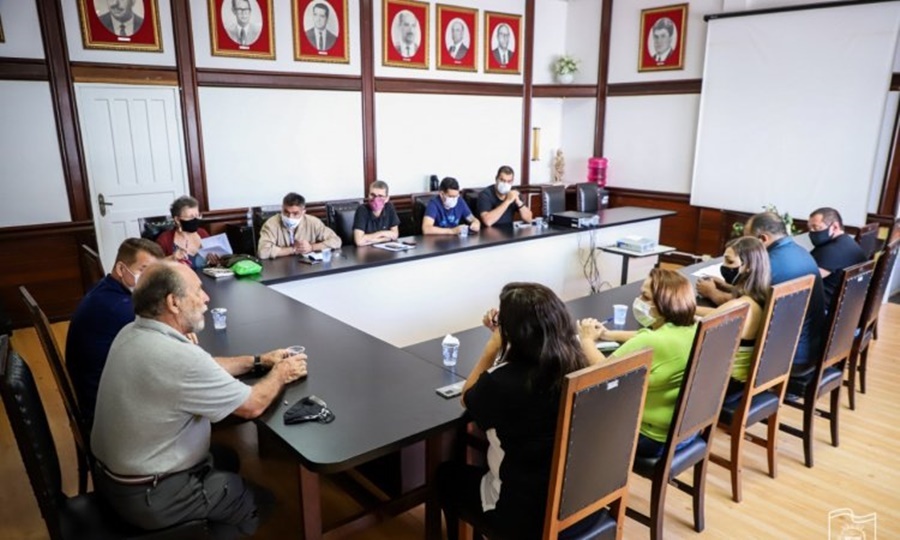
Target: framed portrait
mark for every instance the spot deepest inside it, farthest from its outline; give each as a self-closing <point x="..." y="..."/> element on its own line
<point x="321" y="31"/>
<point x="242" y="28"/>
<point x="662" y="38"/>
<point x="502" y="34"/>
<point x="404" y="34"/>
<point x="131" y="25"/>
<point x="457" y="30"/>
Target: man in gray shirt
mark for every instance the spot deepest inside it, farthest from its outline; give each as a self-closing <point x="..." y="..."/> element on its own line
<point x="159" y="394"/>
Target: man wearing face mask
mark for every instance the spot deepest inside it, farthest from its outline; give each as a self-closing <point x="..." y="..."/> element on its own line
<point x="788" y="261"/>
<point x="100" y="315"/>
<point x="294" y="232"/>
<point x="833" y="250"/>
<point x="377" y="220"/>
<point x="498" y="204"/>
<point x="447" y="213"/>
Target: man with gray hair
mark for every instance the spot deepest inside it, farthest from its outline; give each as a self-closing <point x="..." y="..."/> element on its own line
<point x="788" y="261"/>
<point x="159" y="394"/>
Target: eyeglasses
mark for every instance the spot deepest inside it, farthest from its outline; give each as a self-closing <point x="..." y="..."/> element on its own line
<point x="374" y="196"/>
<point x="242" y="10"/>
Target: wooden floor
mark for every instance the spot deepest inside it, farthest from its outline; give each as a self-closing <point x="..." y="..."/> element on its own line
<point x="861" y="475"/>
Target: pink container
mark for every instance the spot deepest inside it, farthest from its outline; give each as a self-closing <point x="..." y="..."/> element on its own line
<point x="597" y="170"/>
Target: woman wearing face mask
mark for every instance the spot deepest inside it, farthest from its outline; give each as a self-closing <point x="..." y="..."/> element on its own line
<point x="746" y="279"/>
<point x="515" y="400"/>
<point x="182" y="243"/>
<point x="665" y="309"/>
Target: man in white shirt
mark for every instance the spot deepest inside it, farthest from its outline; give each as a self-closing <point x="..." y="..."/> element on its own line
<point x="457" y="49"/>
<point x="318" y="35"/>
<point x="408" y="30"/>
<point x="503" y="54"/>
<point x="120" y="19"/>
<point x="244" y="32"/>
<point x="662" y="31"/>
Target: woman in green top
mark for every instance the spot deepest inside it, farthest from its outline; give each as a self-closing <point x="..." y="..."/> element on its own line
<point x="666" y="309"/>
<point x="746" y="280"/>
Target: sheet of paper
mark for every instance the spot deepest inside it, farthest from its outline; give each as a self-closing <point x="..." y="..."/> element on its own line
<point x="392" y="246"/>
<point x="215" y="245"/>
<point x="710" y="271"/>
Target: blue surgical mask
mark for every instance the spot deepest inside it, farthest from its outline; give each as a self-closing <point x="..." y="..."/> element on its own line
<point x="641" y="311"/>
<point x="290" y="223"/>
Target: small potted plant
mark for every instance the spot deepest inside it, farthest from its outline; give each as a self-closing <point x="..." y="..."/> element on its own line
<point x="565" y="69"/>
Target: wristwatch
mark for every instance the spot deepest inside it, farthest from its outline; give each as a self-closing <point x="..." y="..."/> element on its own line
<point x="257" y="364"/>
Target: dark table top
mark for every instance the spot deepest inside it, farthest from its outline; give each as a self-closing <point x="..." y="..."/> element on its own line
<point x="383" y="398"/>
<point x="353" y="258"/>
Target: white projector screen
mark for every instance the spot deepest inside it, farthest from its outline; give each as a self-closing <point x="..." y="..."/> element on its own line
<point x="791" y="109"/>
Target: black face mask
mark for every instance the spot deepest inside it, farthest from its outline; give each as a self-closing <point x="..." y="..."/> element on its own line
<point x="819" y="238"/>
<point x="190" y="225"/>
<point x="730" y="274"/>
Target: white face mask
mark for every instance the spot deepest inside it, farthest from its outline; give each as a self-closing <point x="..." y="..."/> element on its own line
<point x="450" y="202"/>
<point x="290" y="223"/>
<point x="503" y="188"/>
<point x="134" y="276"/>
<point x="641" y="311"/>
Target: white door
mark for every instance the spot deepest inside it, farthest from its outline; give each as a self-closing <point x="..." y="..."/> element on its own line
<point x="134" y="151"/>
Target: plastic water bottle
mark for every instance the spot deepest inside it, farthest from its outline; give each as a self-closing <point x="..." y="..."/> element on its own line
<point x="450" y="350"/>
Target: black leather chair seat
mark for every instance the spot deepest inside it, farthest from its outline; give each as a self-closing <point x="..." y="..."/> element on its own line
<point x="684" y="458"/>
<point x="87" y="516"/>
<point x="597" y="526"/>
<point x="830" y="379"/>
<point x="762" y="406"/>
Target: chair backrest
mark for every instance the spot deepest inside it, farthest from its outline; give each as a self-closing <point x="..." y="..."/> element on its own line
<point x="419" y="204"/>
<point x="151" y="227"/>
<point x="260" y="215"/>
<point x="58" y="368"/>
<point x="884" y="266"/>
<point x="868" y="240"/>
<point x="91" y="264"/>
<point x="587" y="197"/>
<point x="706" y="376"/>
<point x="845" y="314"/>
<point x="553" y="200"/>
<point x="29" y="425"/>
<point x="339" y="217"/>
<point x="779" y="332"/>
<point x="471" y="198"/>
<point x="596" y="435"/>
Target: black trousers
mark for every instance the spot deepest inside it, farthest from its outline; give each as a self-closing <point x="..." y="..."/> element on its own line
<point x="201" y="492"/>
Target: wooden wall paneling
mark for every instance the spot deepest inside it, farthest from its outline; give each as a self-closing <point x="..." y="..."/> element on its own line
<point x="274" y="79"/>
<point x="367" y="50"/>
<point x="423" y="86"/>
<point x="528" y="71"/>
<point x="679" y="230"/>
<point x="656" y="88"/>
<point x="564" y="91"/>
<point x="23" y="69"/>
<point x="64" y="107"/>
<point x="603" y="75"/>
<point x="85" y="72"/>
<point x="44" y="258"/>
<point x="190" y="101"/>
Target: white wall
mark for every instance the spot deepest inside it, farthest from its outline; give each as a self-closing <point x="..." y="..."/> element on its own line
<point x="260" y="143"/>
<point x="516" y="7"/>
<point x="21" y="29"/>
<point x="466" y="137"/>
<point x="566" y="27"/>
<point x="30" y="163"/>
<point x="284" y="44"/>
<point x="650" y="141"/>
<point x="77" y="52"/>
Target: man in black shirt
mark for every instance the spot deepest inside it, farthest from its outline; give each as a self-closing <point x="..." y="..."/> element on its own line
<point x="377" y="220"/>
<point x="833" y="250"/>
<point x="497" y="204"/>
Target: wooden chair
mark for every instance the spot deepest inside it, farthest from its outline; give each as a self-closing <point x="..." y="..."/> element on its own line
<point x="696" y="412"/>
<point x="587" y="197"/>
<point x="770" y="368"/>
<point x="67" y="518"/>
<point x="859" y="355"/>
<point x="80" y="430"/>
<point x="91" y="265"/>
<point x="553" y="200"/>
<point x="867" y="238"/>
<point x="594" y="449"/>
<point x="826" y="374"/>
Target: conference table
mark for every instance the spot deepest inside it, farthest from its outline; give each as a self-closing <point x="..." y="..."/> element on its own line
<point x="383" y="397"/>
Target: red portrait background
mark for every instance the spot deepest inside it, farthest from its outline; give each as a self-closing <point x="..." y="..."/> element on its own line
<point x="261" y="40"/>
<point x="492" y="63"/>
<point x="390" y="36"/>
<point x="447" y="15"/>
<point x="97" y="35"/>
<point x="336" y="28"/>
<point x="673" y="57"/>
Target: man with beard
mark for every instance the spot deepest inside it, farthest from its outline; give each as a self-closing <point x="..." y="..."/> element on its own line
<point x="158" y="396"/>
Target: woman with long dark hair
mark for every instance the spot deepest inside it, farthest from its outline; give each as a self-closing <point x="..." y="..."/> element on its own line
<point x="513" y="395"/>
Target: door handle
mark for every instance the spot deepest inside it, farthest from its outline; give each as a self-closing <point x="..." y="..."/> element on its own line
<point x="101" y="201"/>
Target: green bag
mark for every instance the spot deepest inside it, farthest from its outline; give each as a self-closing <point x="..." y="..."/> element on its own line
<point x="246" y="268"/>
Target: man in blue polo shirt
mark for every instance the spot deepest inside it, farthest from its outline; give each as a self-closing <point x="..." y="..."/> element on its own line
<point x="447" y="213"/>
<point x="788" y="261"/>
<point x="103" y="311"/>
